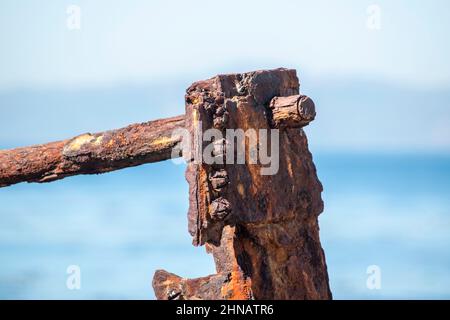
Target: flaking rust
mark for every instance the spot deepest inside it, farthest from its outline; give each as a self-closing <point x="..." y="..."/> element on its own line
<point x="89" y="153"/>
<point x="262" y="230"/>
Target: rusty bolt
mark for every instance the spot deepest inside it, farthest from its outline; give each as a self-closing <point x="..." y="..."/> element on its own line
<point x="218" y="123"/>
<point x="219" y="179"/>
<point x="306" y="108"/>
<point x="219" y="147"/>
<point x="219" y="209"/>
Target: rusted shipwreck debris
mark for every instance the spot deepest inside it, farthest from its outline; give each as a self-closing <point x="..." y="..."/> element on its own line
<point x="262" y="230"/>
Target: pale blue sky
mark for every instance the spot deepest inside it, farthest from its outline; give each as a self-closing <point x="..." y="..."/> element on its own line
<point x="137" y="41"/>
<point x="384" y="90"/>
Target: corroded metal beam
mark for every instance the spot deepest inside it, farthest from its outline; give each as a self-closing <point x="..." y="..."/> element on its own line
<point x="91" y="153"/>
<point x="133" y="145"/>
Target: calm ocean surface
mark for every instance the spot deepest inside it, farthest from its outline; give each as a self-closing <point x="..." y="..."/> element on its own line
<point x="392" y="211"/>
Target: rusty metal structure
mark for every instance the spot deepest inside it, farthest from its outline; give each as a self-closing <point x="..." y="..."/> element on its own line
<point x="262" y="230"/>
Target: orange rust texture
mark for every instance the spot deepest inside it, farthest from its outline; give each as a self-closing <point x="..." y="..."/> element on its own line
<point x="261" y="230"/>
<point x="239" y="287"/>
<point x="91" y="153"/>
<point x="265" y="236"/>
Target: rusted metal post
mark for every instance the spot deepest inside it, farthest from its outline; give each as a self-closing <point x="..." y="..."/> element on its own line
<point x="262" y="229"/>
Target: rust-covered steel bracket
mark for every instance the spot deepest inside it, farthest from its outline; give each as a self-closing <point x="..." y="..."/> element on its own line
<point x="262" y="229"/>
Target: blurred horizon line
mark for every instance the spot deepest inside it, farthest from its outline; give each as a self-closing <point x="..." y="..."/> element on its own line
<point x="187" y="78"/>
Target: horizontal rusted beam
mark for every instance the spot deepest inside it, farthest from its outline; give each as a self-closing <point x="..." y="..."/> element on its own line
<point x="133" y="145"/>
<point x="292" y="111"/>
<point x="88" y="153"/>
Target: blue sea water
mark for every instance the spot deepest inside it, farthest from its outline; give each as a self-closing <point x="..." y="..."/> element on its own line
<point x="392" y="211"/>
<point x="389" y="210"/>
